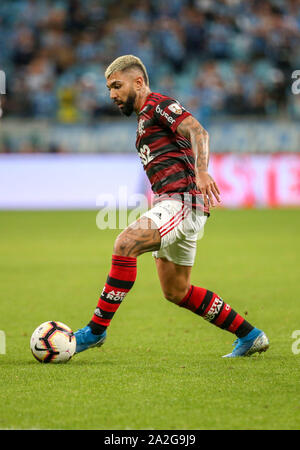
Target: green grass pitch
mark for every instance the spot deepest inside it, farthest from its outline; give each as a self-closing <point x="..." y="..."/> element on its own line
<point x="161" y="366"/>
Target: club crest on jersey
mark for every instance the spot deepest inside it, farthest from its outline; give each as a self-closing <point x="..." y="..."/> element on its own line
<point x="175" y="108"/>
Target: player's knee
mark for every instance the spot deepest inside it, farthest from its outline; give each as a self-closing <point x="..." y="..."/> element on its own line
<point x="122" y="245"/>
<point x="126" y="244"/>
<point x="175" y="295"/>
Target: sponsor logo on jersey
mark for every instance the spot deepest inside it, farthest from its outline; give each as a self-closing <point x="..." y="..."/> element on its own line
<point x="164" y="114"/>
<point x="175" y="108"/>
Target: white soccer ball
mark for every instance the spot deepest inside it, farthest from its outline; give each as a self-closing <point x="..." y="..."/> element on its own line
<point x="53" y="342"/>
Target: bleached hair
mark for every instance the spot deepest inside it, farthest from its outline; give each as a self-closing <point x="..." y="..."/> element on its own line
<point x="127" y="62"/>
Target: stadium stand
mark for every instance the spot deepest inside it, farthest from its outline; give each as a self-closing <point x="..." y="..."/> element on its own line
<point x="222" y="59"/>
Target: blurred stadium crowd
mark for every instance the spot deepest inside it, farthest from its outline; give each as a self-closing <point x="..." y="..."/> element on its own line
<point x="219" y="57"/>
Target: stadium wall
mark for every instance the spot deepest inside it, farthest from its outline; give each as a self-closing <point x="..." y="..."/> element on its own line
<point x="91" y="181"/>
<point x="118" y="136"/>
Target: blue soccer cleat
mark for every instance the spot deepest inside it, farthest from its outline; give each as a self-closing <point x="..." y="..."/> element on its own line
<point x="86" y="339"/>
<point x="255" y="341"/>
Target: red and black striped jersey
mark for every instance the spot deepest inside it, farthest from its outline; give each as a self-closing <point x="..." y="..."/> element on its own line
<point x="167" y="157"/>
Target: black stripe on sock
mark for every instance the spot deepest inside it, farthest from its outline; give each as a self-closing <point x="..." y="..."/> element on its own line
<point x="96" y="328"/>
<point x="206" y="301"/>
<point x="244" y="329"/>
<point x="130" y="261"/>
<point x="229" y="319"/>
<point x="104" y="314"/>
<point x="114" y="282"/>
<point x="124" y="265"/>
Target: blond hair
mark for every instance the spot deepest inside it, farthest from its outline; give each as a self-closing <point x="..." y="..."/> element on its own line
<point x="127" y="62"/>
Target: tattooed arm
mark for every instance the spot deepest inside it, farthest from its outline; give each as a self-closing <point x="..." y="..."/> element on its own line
<point x="191" y="129"/>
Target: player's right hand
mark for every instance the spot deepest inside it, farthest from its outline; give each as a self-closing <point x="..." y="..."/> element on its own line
<point x="208" y="187"/>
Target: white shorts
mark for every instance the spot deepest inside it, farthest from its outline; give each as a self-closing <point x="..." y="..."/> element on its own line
<point x="180" y="227"/>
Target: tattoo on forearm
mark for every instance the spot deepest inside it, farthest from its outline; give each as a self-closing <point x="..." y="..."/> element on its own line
<point x="193" y="130"/>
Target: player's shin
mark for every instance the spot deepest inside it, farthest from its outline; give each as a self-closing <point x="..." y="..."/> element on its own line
<point x="120" y="280"/>
<point x="212" y="308"/>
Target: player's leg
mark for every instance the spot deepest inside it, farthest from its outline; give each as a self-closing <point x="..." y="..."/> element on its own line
<point x="140" y="237"/>
<point x="175" y="279"/>
<point x="175" y="283"/>
<point x="174" y="264"/>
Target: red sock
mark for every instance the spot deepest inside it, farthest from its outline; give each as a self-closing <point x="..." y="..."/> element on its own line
<point x="212" y="308"/>
<point x="120" y="280"/>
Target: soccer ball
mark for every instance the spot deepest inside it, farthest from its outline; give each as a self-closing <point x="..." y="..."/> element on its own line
<point x="53" y="342"/>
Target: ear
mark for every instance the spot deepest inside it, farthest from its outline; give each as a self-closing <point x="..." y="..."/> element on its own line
<point x="139" y="82"/>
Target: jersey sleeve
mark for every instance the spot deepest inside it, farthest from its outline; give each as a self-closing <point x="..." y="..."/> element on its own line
<point x="169" y="113"/>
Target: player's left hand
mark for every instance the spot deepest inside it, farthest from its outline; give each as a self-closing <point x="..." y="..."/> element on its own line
<point x="208" y="187"/>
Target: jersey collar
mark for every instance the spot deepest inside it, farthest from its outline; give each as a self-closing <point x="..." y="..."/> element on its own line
<point x="147" y="98"/>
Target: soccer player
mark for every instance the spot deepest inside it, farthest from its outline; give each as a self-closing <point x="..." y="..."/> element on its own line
<point x="174" y="150"/>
